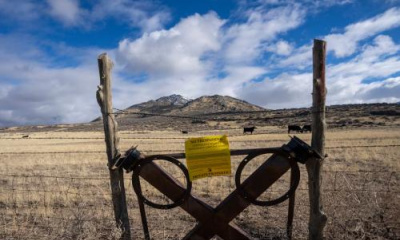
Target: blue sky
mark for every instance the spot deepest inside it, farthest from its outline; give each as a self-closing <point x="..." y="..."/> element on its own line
<point x="259" y="51"/>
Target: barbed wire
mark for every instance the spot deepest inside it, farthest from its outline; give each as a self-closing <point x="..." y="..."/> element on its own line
<point x="177" y="150"/>
<point x="90" y="178"/>
<point x="69" y="152"/>
<point x="135" y="138"/>
<point x="209" y="192"/>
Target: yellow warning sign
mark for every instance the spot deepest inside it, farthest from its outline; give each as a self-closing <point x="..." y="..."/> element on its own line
<point x="208" y="156"/>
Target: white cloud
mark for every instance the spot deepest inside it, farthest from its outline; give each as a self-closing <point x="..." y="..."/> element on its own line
<point x="300" y="58"/>
<point x="185" y="59"/>
<point x="383" y="46"/>
<point x="285" y="90"/>
<point x="24" y="11"/>
<point x="201" y="54"/>
<point x="144" y="14"/>
<point x="383" y="91"/>
<point x="177" y="51"/>
<point x="49" y="95"/>
<point x="323" y="3"/>
<point x="376" y="60"/>
<point x="67" y="11"/>
<point x="283" y="48"/>
<point x="351" y="81"/>
<point x="244" y="41"/>
<point x="34" y="91"/>
<point x="346" y="44"/>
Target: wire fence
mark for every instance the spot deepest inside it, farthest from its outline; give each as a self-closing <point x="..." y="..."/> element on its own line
<point x="179" y="150"/>
<point x="356" y="202"/>
<point x="360" y="204"/>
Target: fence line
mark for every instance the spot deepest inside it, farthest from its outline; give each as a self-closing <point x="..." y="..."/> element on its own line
<point x="177" y="150"/>
<point x="347" y="203"/>
<point x="78" y="177"/>
<point x="170" y="138"/>
<point x="210" y="192"/>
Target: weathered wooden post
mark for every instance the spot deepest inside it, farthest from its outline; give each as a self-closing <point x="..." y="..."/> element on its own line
<point x="318" y="219"/>
<point x="104" y="98"/>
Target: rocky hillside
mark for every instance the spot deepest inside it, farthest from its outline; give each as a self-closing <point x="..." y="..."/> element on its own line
<point x="160" y="106"/>
<point x="216" y="104"/>
<point x="223" y="112"/>
<point x="176" y="104"/>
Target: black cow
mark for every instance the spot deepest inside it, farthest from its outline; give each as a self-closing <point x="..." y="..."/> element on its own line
<point x="184" y="132"/>
<point x="295" y="128"/>
<point x="248" y="129"/>
<point x="306" y="128"/>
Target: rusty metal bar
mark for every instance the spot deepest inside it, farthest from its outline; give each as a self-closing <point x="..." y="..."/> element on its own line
<point x="217" y="221"/>
<point x="173" y="189"/>
<point x="234" y="204"/>
<point x="235" y="152"/>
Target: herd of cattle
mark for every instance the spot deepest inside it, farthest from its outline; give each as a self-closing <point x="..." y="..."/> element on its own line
<point x="291" y="128"/>
<point x="297" y="128"/>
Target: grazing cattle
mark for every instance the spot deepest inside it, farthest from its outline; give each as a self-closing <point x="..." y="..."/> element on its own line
<point x="295" y="128"/>
<point x="184" y="132"/>
<point x="248" y="129"/>
<point x="25" y="136"/>
<point x="306" y="128"/>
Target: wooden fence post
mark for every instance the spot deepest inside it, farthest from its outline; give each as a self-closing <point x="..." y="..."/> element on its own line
<point x="104" y="98"/>
<point x="318" y="219"/>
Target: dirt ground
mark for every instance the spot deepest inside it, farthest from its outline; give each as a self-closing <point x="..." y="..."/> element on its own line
<point x="54" y="185"/>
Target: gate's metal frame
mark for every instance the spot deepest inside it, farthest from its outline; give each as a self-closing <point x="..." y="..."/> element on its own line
<point x="217" y="221"/>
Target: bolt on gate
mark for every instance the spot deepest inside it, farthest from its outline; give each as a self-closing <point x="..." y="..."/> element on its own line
<point x="216" y="221"/>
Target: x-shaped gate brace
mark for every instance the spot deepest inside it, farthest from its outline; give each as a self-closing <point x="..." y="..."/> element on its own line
<point x="217" y="221"/>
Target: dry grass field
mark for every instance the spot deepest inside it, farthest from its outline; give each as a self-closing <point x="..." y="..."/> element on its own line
<point x="54" y="185"/>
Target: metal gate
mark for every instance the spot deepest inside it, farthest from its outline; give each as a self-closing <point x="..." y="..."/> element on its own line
<point x="217" y="221"/>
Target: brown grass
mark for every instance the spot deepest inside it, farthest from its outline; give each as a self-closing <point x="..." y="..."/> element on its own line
<point x="52" y="189"/>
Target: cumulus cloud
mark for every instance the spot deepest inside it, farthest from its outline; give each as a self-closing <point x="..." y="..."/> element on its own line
<point x="353" y="80"/>
<point x="312" y="5"/>
<point x="379" y="59"/>
<point x="144" y="14"/>
<point x="176" y="51"/>
<point x="244" y="41"/>
<point x="364" y="78"/>
<point x="300" y="58"/>
<point x="382" y="46"/>
<point x="283" y="48"/>
<point x="201" y="54"/>
<point x="285" y="90"/>
<point x="383" y="91"/>
<point x="345" y="44"/>
<point x="67" y="11"/>
<point x="23" y="11"/>
<point x="34" y="91"/>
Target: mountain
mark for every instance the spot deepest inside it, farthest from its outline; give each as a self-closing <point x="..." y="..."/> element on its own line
<point x="216" y="104"/>
<point x="160" y="106"/>
<point x="223" y="113"/>
<point x="176" y="104"/>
